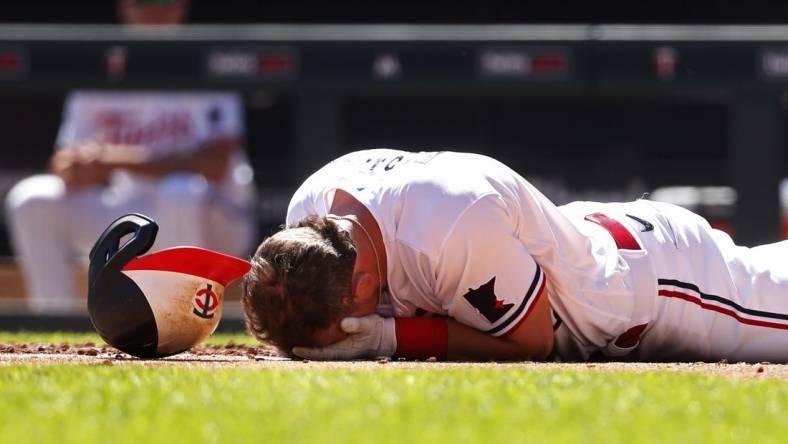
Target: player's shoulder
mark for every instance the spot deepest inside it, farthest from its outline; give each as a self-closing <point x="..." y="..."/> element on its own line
<point x="456" y="176"/>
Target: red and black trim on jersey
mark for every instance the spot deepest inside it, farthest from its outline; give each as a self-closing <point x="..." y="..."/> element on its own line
<point x="510" y="323"/>
<point x="671" y="288"/>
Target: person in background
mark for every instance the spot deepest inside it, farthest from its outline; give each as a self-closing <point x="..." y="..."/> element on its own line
<point x="175" y="156"/>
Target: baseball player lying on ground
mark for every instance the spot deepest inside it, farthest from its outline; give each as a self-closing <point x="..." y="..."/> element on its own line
<point x="455" y="256"/>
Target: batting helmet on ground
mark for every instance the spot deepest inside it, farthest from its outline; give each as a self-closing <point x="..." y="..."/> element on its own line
<point x="159" y="304"/>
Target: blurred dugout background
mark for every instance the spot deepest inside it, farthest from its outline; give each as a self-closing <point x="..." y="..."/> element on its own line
<point x="692" y="112"/>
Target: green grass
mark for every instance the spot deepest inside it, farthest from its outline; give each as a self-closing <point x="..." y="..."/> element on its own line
<point x="135" y="404"/>
<point x="131" y="404"/>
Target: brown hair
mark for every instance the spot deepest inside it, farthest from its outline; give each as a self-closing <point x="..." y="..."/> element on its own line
<point x="300" y="283"/>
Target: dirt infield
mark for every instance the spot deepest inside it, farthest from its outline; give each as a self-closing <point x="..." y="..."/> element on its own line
<point x="245" y="356"/>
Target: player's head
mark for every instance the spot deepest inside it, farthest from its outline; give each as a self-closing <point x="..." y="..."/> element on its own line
<point x="153" y="12"/>
<point x="301" y="285"/>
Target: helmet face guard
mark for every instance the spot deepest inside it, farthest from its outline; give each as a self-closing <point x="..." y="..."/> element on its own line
<point x="159" y="304"/>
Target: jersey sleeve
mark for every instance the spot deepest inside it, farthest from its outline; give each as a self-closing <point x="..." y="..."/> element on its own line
<point x="300" y="207"/>
<point x="306" y="201"/>
<point x="490" y="278"/>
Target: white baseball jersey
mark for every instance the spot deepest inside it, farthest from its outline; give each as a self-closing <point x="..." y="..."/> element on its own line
<point x="469" y="238"/>
<point x="702" y="297"/>
<point x="159" y="124"/>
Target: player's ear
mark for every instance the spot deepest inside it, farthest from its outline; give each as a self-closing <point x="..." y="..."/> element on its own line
<point x="365" y="288"/>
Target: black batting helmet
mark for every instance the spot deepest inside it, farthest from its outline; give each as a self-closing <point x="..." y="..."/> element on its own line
<point x="159" y="304"/>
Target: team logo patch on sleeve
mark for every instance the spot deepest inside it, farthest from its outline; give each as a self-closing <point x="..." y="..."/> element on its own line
<point x="516" y="315"/>
<point x="484" y="300"/>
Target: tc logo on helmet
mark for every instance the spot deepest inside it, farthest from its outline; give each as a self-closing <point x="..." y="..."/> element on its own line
<point x="205" y="302"/>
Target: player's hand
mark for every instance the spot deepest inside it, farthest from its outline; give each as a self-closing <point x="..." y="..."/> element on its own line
<point x="370" y="336"/>
<point x="81" y="166"/>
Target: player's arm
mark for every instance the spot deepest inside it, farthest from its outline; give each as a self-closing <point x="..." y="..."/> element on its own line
<point x="210" y="160"/>
<point x="92" y="163"/>
<point x="446" y="338"/>
<point x="498" y="303"/>
<point x="499" y="309"/>
<point x="531" y="340"/>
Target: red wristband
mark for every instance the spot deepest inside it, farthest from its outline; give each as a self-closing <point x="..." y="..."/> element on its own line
<point x="421" y="338"/>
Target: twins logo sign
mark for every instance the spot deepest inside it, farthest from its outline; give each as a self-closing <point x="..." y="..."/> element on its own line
<point x="205" y="302"/>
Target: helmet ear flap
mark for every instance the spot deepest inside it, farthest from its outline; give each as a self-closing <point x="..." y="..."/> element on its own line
<point x="118" y="310"/>
<point x="108" y="255"/>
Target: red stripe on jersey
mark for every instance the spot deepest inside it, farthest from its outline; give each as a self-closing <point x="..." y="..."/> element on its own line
<point x="622" y="236"/>
<point x="697" y="301"/>
<point x="195" y="261"/>
<point x="527" y="312"/>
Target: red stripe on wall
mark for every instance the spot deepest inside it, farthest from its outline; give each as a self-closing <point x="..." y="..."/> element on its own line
<point x="697" y="301"/>
<point x="195" y="261"/>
